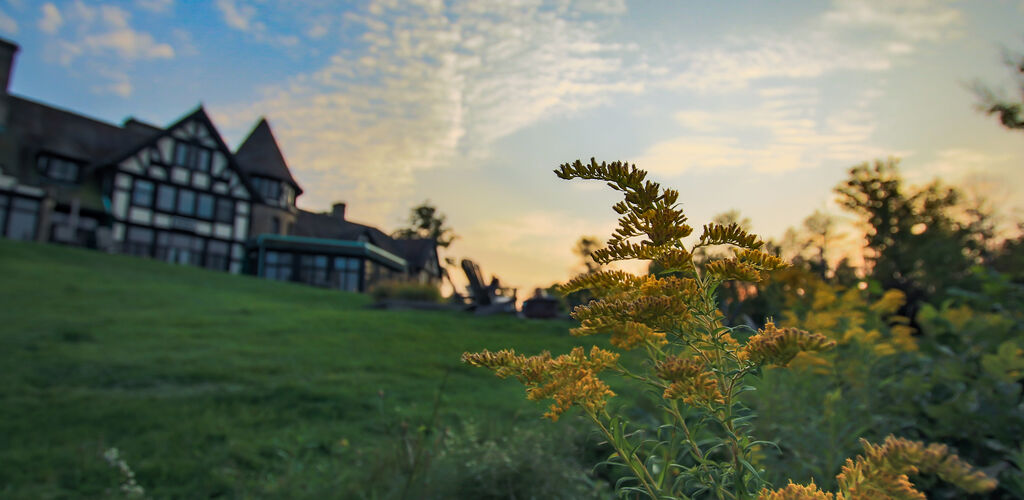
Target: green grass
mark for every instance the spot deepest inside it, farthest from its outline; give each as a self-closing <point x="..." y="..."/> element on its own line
<point x="214" y="385"/>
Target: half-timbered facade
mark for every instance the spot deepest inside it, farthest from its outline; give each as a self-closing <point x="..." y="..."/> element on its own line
<point x="180" y="195"/>
<point x="181" y="198"/>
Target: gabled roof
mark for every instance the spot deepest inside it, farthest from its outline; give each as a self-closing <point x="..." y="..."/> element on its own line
<point x="327" y="226"/>
<point x="259" y="155"/>
<point x="68" y="134"/>
<point x="417" y="252"/>
<point x="199" y="115"/>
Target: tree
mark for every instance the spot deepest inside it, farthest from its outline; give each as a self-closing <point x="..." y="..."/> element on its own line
<point x="427" y="223"/>
<point x="921" y="241"/>
<point x="584" y="249"/>
<point x="1009" y="111"/>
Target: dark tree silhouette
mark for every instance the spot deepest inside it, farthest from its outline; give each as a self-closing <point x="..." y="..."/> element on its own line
<point x="1010" y="111"/>
<point x="426" y="222"/>
<point x="919" y="240"/>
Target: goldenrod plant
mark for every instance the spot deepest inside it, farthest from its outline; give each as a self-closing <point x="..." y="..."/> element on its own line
<point x="693" y="362"/>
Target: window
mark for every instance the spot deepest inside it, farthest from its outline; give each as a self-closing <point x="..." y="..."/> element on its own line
<point x="186" y="202"/>
<point x="179" y="248"/>
<point x="58" y="169"/>
<point x="203" y="159"/>
<point x="275" y="226"/>
<point x="165" y="198"/>
<point x="139" y="241"/>
<point x="313" y="270"/>
<point x="345" y="274"/>
<point x="277" y="266"/>
<point x="181" y="154"/>
<point x="268" y="189"/>
<point x="225" y="210"/>
<point x="21" y="222"/>
<point x="289" y="194"/>
<point x="142" y="193"/>
<point x="192" y="156"/>
<point x="216" y="255"/>
<point x="204" y="206"/>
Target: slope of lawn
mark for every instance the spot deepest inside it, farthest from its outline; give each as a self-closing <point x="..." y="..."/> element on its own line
<point x="214" y="385"/>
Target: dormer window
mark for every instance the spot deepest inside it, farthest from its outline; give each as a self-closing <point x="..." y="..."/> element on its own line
<point x="269" y="189"/>
<point x="192" y="156"/>
<point x="58" y="169"/>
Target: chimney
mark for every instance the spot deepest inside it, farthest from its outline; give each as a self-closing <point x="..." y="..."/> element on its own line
<point x="338" y="211"/>
<point x="7" y="52"/>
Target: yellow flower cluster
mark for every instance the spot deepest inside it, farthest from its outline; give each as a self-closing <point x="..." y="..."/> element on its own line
<point x="732" y="269"/>
<point x="733" y="234"/>
<point x="797" y="492"/>
<point x="570" y="379"/>
<point x="779" y="346"/>
<point x="616" y="314"/>
<point x="881" y="472"/>
<point x="846" y="317"/>
<point x="689" y="381"/>
<point x="632" y="334"/>
<point x="601" y="283"/>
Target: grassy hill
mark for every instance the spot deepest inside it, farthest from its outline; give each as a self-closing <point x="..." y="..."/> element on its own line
<point x="214" y="385"/>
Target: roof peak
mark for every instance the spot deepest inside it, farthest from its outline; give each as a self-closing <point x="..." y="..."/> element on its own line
<point x="259" y="154"/>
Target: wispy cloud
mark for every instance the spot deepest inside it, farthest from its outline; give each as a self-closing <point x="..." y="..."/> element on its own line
<point x="432" y="84"/>
<point x="437" y="83"/>
<point x="8" y="25"/>
<point x="51" y="20"/>
<point x="106" y="30"/>
<point x="789" y="128"/>
<point x="857" y="35"/>
<point x="243" y="17"/>
<point x="911" y="20"/>
<point x="786" y="131"/>
<point x="100" y="38"/>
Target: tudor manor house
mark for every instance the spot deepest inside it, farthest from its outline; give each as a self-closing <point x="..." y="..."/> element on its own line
<point x="180" y="195"/>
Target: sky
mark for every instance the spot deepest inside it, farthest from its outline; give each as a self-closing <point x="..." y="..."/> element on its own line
<point x="757" y="106"/>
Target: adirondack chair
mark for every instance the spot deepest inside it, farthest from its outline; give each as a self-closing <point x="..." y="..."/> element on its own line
<point x="491" y="298"/>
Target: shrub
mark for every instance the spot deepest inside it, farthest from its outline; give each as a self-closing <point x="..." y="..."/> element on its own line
<point x="701" y="444"/>
<point x="405" y="290"/>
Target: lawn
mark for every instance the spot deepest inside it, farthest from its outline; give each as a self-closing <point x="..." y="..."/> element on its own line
<point x="214" y="385"/>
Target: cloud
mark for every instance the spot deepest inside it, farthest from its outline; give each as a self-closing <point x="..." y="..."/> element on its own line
<point x="783" y="132"/>
<point x="51" y="20"/>
<point x="237" y="17"/>
<point x="243" y="18"/>
<point x="119" y="38"/>
<point x="7" y="24"/>
<point x="857" y="35"/>
<point x="433" y="85"/>
<point x="97" y="38"/>
<point x="104" y="31"/>
<point x="910" y="20"/>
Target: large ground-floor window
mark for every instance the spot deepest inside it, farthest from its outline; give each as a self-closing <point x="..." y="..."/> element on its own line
<point x="277" y="266"/>
<point x="19" y="217"/>
<point x="345" y="274"/>
<point x="342" y="273"/>
<point x="139" y="241"/>
<point x="177" y="248"/>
